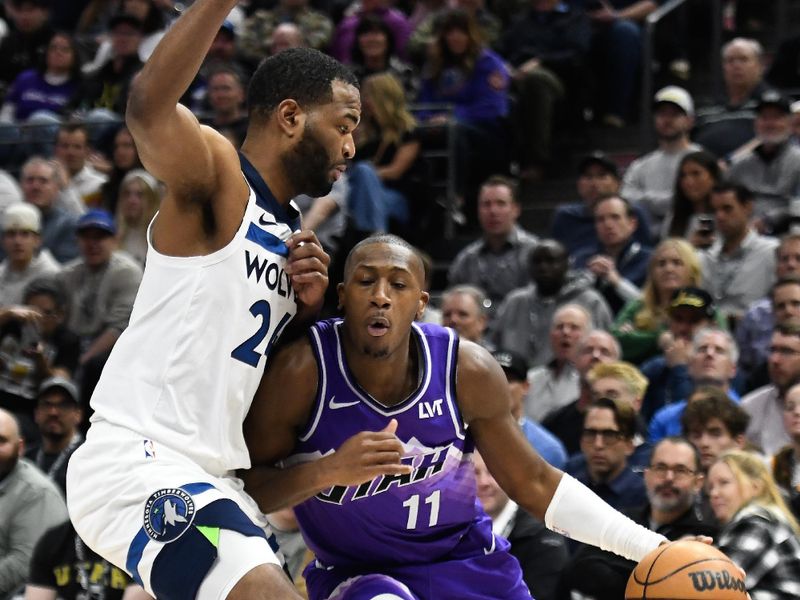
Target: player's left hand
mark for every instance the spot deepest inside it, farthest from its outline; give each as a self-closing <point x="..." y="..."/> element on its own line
<point x="308" y="267"/>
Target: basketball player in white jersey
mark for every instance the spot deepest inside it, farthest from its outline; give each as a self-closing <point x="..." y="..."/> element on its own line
<point x="152" y="490"/>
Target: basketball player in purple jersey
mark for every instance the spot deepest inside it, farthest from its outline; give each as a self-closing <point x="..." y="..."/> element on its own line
<point x="371" y="422"/>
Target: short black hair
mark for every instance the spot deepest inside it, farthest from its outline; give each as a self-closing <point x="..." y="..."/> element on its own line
<point x="383" y="238"/>
<point x="302" y="74"/>
<point x="46" y="286"/>
<point x="742" y="193"/>
<point x="624" y="414"/>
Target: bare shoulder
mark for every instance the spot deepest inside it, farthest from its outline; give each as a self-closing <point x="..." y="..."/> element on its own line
<point x="288" y="386"/>
<point x="480" y="383"/>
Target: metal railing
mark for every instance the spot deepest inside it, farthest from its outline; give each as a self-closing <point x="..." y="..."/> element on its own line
<point x="448" y="153"/>
<point x="648" y="40"/>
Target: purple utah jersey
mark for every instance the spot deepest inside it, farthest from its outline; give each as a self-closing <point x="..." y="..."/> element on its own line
<point x="393" y="520"/>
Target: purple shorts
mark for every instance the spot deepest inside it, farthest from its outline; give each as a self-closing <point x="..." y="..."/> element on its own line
<point x="493" y="576"/>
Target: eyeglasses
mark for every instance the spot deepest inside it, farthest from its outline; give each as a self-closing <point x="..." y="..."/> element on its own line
<point x="783" y="351"/>
<point x="609" y="436"/>
<point x="678" y="471"/>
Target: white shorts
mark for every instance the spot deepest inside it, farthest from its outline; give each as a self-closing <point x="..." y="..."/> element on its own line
<point x="177" y="530"/>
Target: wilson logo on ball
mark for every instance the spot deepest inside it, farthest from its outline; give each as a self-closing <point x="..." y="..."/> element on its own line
<point x="708" y="580"/>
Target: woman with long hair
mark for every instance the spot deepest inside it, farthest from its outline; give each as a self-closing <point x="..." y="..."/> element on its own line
<point x="124" y="158"/>
<point x="759" y="532"/>
<point x="464" y="73"/>
<point x="674" y="264"/>
<point x="374" y="52"/>
<point x="139" y="199"/>
<point x="691" y="215"/>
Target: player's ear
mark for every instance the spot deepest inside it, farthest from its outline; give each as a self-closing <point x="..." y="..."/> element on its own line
<point x="340" y="295"/>
<point x="423" y="302"/>
<point x="291" y="118"/>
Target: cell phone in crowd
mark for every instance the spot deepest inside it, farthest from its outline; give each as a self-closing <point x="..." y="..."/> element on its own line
<point x="705" y="224"/>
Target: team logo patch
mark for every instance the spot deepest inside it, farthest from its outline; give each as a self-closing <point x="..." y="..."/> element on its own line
<point x="168" y="514"/>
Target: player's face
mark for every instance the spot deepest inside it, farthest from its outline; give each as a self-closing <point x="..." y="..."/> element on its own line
<point x="711" y="440"/>
<point x="381" y="296"/>
<point x="676" y="487"/>
<point x="490" y="494"/>
<point x="725" y="493"/>
<point x="319" y="157"/>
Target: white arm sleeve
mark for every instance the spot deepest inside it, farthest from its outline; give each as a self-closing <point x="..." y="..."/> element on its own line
<point x="578" y="513"/>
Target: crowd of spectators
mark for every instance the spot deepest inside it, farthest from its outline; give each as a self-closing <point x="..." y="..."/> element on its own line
<point x="651" y="339"/>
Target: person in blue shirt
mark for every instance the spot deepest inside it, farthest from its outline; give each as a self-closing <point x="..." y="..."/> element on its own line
<point x="546" y="444"/>
<point x="712" y="363"/>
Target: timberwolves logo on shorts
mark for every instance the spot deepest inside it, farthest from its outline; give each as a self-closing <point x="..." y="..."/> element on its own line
<point x="167" y="514"/>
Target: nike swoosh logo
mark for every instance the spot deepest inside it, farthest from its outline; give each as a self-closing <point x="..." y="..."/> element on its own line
<point x="333" y="405"/>
<point x="263" y="221"/>
<point x="490" y="550"/>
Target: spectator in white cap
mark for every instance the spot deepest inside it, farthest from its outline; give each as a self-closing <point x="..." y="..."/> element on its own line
<point x="650" y="180"/>
<point x="771" y="170"/>
<point x="25" y="260"/>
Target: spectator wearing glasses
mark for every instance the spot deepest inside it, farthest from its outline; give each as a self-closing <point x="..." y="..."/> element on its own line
<point x="57" y="415"/>
<point x="765" y="405"/>
<point x="606" y="442"/>
<point x="673" y="481"/>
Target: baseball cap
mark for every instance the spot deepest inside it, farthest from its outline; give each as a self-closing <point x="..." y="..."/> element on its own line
<point x="61" y="383"/>
<point x="22" y="217"/>
<point x="127" y="19"/>
<point x="598" y="158"/>
<point x="693" y="297"/>
<point x="227" y="27"/>
<point x="97" y="218"/>
<point x="773" y="98"/>
<point x="672" y="94"/>
<point x="515" y="366"/>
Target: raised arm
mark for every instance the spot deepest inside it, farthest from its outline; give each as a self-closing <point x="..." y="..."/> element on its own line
<point x="173" y="146"/>
<point x="564" y="504"/>
<point x="281" y="408"/>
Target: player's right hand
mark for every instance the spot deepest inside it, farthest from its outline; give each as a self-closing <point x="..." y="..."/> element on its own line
<point x="366" y="455"/>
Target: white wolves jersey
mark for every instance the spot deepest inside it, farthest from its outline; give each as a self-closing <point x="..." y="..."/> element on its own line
<point x="185" y="370"/>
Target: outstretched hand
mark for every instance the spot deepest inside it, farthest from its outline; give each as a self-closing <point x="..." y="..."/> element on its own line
<point x="308" y="268"/>
<point x="366" y="455"/>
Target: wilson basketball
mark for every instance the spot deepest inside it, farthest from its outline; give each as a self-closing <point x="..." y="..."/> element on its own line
<point x="686" y="570"/>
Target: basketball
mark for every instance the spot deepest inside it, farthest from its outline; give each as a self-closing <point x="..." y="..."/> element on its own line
<point x="686" y="570"/>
